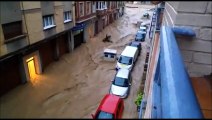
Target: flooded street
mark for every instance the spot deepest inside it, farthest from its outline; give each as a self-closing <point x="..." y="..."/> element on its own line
<point x="74" y="86"/>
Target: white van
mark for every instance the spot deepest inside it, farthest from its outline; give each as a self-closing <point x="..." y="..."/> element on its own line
<point x="110" y="54"/>
<point x="127" y="58"/>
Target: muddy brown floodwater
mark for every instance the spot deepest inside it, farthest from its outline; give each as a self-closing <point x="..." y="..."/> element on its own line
<point x="74" y="86"/>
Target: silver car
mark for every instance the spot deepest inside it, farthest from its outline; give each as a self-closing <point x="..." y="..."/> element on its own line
<point x="121" y="83"/>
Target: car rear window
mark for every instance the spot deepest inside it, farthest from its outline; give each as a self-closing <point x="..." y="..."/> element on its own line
<point x="105" y="115"/>
<point x="122" y="82"/>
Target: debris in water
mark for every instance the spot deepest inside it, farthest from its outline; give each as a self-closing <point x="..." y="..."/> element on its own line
<point x="107" y="39"/>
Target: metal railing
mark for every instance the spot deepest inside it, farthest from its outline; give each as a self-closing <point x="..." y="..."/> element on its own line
<point x="173" y="94"/>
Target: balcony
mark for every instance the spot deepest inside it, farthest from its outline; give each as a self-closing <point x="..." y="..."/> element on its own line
<point x="101" y="12"/>
<point x="169" y="92"/>
<point x="85" y="18"/>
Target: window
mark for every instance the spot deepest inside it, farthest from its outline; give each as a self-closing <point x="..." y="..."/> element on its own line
<point x="105" y="115"/>
<point x="88" y="8"/>
<point x="11" y="30"/>
<point x="122" y="82"/>
<point x="125" y="60"/>
<point x="48" y="22"/>
<point x="97" y="5"/>
<point x="112" y="56"/>
<point x="67" y="16"/>
<point x="105" y="5"/>
<point x="81" y="9"/>
<point x="94" y="7"/>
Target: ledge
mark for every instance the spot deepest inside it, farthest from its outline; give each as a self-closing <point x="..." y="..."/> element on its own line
<point x="66" y="21"/>
<point x="49" y="27"/>
<point x="15" y="38"/>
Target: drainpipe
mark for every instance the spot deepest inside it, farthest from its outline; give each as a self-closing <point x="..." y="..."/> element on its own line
<point x="25" y="23"/>
<point x="21" y="65"/>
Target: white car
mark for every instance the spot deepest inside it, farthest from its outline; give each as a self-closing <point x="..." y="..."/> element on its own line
<point x="121" y="84"/>
<point x="142" y="28"/>
<point x="127" y="58"/>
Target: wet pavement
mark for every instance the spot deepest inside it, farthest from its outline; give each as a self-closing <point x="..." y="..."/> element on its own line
<point x="74" y="86"/>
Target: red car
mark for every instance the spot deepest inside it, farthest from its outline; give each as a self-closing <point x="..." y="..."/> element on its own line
<point x="111" y="107"/>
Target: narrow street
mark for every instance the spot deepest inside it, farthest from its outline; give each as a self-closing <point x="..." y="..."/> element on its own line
<point x="74" y="86"/>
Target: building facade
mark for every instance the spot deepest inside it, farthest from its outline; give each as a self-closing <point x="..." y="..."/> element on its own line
<point x="37" y="34"/>
<point x="196" y="51"/>
<point x="107" y="12"/>
<point x="179" y="75"/>
<point x="85" y="14"/>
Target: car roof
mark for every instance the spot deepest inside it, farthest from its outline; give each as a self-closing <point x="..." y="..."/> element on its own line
<point x="123" y="73"/>
<point x="135" y="43"/>
<point x="109" y="103"/>
<point x="110" y="51"/>
<point x="142" y="27"/>
<point x="141" y="32"/>
<point x="129" y="51"/>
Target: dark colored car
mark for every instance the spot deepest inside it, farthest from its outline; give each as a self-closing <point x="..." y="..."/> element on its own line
<point x="140" y="36"/>
<point x="136" y="44"/>
<point x="146" y="15"/>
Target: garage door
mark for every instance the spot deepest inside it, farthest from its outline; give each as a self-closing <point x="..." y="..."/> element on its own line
<point x="47" y="53"/>
<point x="10" y="75"/>
<point x="78" y="39"/>
<point x="63" y="44"/>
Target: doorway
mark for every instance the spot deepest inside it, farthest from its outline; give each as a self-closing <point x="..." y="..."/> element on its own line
<point x="31" y="68"/>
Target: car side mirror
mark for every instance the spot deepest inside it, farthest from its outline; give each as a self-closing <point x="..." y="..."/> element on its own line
<point x="92" y="116"/>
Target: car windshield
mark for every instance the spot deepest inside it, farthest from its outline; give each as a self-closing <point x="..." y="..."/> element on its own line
<point x="104" y="115"/>
<point x="141" y="31"/>
<point x="123" y="82"/>
<point x="125" y="60"/>
<point x="139" y="35"/>
<point x="134" y="45"/>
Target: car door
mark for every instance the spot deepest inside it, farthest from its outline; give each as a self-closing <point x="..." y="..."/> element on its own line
<point x="118" y="112"/>
<point x="120" y="108"/>
<point x="130" y="78"/>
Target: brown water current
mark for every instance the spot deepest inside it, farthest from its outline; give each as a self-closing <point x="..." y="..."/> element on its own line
<point x="74" y="86"/>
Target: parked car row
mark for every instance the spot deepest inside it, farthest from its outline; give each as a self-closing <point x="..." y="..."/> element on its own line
<point x="141" y="33"/>
<point x="112" y="105"/>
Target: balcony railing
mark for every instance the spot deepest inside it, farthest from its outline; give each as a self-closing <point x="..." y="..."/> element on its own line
<point x="173" y="95"/>
<point x="101" y="12"/>
<point x="152" y="25"/>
